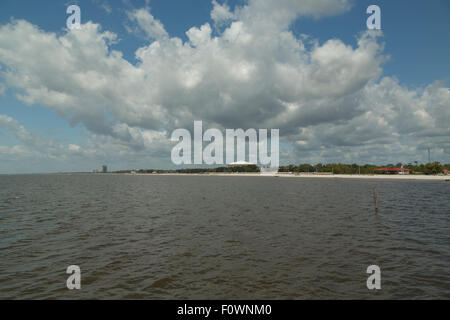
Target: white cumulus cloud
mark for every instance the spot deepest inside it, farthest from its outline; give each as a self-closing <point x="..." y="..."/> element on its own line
<point x="330" y="100"/>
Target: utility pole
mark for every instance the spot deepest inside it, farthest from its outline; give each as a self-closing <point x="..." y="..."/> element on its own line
<point x="429" y="157"/>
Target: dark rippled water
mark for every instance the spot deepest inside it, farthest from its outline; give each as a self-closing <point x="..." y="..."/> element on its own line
<point x="204" y="237"/>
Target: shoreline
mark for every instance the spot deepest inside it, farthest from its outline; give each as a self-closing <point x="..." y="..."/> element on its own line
<point x="304" y="175"/>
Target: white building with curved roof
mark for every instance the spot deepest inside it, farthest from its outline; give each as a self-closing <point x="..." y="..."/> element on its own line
<point x="240" y="164"/>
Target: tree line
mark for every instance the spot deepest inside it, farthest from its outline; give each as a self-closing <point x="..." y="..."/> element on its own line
<point x="336" y="168"/>
<point x="342" y="168"/>
<point x="250" y="168"/>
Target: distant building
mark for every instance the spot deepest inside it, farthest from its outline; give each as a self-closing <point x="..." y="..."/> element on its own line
<point x="104" y="168"/>
<point x="392" y="170"/>
<point x="446" y="172"/>
<point x="240" y="164"/>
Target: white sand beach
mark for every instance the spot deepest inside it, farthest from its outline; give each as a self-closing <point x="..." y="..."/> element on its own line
<point x="313" y="175"/>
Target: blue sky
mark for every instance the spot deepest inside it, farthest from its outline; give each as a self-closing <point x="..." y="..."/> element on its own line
<point x="416" y="48"/>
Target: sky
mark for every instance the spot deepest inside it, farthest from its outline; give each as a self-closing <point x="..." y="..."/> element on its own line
<point x="113" y="91"/>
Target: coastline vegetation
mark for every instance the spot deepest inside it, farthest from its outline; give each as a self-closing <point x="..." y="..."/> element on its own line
<point x="336" y="168"/>
<point x="341" y="168"/>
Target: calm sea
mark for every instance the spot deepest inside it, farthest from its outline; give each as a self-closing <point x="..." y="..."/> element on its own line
<point x="206" y="237"/>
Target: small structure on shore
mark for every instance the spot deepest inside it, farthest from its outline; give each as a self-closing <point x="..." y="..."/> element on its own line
<point x="269" y="171"/>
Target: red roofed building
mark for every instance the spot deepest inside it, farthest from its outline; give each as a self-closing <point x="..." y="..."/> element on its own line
<point x="392" y="170"/>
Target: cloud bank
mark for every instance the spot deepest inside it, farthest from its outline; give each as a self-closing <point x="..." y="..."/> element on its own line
<point x="246" y="70"/>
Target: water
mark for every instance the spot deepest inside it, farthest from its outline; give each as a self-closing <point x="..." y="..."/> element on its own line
<point x="206" y="237"/>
